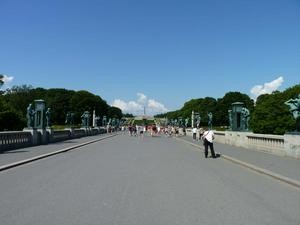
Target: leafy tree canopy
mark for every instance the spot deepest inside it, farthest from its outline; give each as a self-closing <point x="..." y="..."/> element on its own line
<point x="271" y="115"/>
<point x="59" y="100"/>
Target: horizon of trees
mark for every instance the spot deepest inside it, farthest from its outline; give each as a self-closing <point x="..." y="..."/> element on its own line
<point x="14" y="103"/>
<point x="269" y="114"/>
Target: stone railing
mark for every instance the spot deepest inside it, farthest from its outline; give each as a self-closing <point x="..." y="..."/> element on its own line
<point x="266" y="142"/>
<point x="283" y="145"/>
<point x="262" y="142"/>
<point x="78" y="133"/>
<point x="60" y="135"/>
<point x="220" y="137"/>
<point x="30" y="137"/>
<point x="14" y="139"/>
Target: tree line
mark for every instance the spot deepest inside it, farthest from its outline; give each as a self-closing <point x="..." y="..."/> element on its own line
<point x="269" y="114"/>
<point x="14" y="102"/>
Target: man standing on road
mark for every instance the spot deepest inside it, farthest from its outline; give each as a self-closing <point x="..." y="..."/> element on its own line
<point x="208" y="137"/>
<point x="194" y="130"/>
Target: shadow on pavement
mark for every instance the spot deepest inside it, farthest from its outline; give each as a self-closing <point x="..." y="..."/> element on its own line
<point x="12" y="152"/>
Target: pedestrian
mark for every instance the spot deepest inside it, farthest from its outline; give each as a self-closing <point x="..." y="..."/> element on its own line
<point x="176" y="131"/>
<point x="130" y="130"/>
<point x="201" y="131"/>
<point x="194" y="131"/>
<point x="208" y="137"/>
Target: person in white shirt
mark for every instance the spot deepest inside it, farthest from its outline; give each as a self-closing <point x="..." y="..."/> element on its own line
<point x="208" y="137"/>
<point x="194" y="130"/>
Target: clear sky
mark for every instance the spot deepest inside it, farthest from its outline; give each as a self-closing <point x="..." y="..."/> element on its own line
<point x="168" y="51"/>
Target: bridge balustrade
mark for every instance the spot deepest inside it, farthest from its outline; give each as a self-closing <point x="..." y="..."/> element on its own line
<point x="283" y="145"/>
<point x="60" y="135"/>
<point x="269" y="143"/>
<point x="20" y="139"/>
<point x="14" y="139"/>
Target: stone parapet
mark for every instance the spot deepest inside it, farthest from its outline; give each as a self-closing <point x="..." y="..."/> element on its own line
<point x="292" y="145"/>
<point x="282" y="145"/>
<point x="30" y="136"/>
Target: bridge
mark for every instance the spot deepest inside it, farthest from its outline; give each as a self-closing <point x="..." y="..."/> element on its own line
<point x="121" y="179"/>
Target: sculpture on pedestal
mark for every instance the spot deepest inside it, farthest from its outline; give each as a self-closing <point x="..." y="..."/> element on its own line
<point x="48" y="117"/>
<point x="180" y="122"/>
<point x="245" y="113"/>
<point x="186" y="122"/>
<point x="104" y="121"/>
<point x="230" y="118"/>
<point x="85" y="117"/>
<point x="198" y="120"/>
<point x="294" y="105"/>
<point x="210" y="117"/>
<point x="69" y="118"/>
<point x="30" y="116"/>
<point x="113" y="122"/>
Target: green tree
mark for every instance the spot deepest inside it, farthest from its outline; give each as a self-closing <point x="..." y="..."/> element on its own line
<point x="200" y="105"/>
<point x="19" y="97"/>
<point x="85" y="101"/>
<point x="58" y="100"/>
<point x="9" y="118"/>
<point x="271" y="115"/>
<point x="114" y="112"/>
<point x="128" y="115"/>
<point x="224" y="104"/>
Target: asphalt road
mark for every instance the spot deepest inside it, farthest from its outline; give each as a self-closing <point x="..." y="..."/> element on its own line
<point x="130" y="181"/>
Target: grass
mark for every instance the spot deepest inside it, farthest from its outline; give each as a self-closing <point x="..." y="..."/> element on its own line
<point x="61" y="127"/>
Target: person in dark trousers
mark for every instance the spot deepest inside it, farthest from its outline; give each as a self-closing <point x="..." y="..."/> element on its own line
<point x="208" y="137"/>
<point x="194" y="130"/>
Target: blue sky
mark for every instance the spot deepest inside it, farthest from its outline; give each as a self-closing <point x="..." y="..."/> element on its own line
<point x="158" y="53"/>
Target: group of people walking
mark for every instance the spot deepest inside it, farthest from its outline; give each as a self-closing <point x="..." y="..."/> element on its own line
<point x="152" y="130"/>
<point x="141" y="130"/>
<point x="207" y="136"/>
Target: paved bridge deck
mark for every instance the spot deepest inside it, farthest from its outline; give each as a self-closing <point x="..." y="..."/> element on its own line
<point x="128" y="180"/>
<point x="26" y="153"/>
<point x="285" y="166"/>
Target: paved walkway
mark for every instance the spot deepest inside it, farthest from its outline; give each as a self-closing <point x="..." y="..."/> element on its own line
<point x="26" y="153"/>
<point x="127" y="180"/>
<point x="284" y="166"/>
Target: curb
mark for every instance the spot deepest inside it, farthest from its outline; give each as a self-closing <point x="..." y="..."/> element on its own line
<point x="260" y="170"/>
<point x="25" y="161"/>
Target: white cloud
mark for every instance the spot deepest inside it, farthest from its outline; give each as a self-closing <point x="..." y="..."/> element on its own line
<point x="141" y="98"/>
<point x="7" y="80"/>
<point x="267" y="88"/>
<point x="157" y="107"/>
<point x="126" y="107"/>
<point x="137" y="107"/>
<point x="120" y="104"/>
